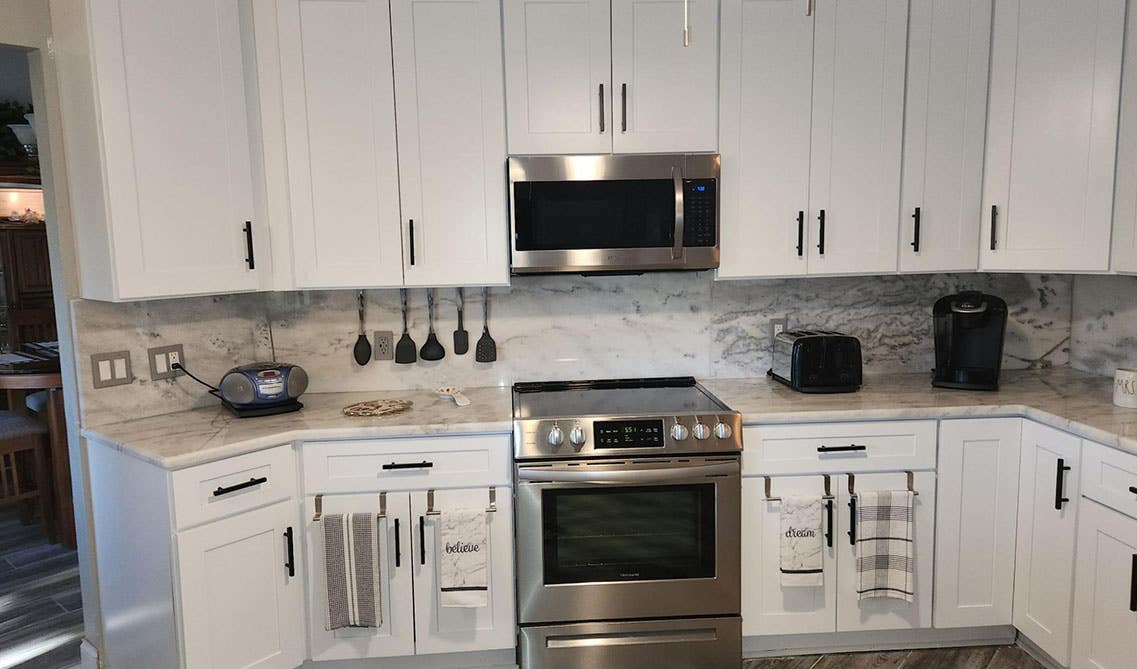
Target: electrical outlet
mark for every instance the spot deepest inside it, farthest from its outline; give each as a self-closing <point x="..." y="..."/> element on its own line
<point x="162" y="360"/>
<point x="384" y="345"/>
<point x="111" y="369"/>
<point x="777" y="326"/>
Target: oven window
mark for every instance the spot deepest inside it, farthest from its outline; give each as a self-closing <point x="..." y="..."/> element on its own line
<point x="629" y="534"/>
<point x="568" y="215"/>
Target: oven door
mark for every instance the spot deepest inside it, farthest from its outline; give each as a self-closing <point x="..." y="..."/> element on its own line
<point x="613" y="213"/>
<point x="604" y="540"/>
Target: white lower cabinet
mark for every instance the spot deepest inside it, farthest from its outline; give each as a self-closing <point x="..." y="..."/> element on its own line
<point x="1105" y="602"/>
<point x="1044" y="558"/>
<point x="976" y="517"/>
<point x="241" y="591"/>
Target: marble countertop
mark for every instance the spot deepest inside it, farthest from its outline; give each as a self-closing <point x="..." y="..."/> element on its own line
<point x="1074" y="401"/>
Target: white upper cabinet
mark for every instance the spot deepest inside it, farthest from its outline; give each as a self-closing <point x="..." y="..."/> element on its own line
<point x="949" y="47"/>
<point x="558" y="64"/>
<point x="1124" y="257"/>
<point x="665" y="75"/>
<point x="157" y="135"/>
<point x="450" y="112"/>
<point x="767" y="45"/>
<point x="1052" y="135"/>
<point x="858" y="127"/>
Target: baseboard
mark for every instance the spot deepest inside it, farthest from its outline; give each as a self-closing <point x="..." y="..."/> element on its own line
<point x="490" y="659"/>
<point x="851" y="642"/>
<point x="88" y="655"/>
<point x="1041" y="656"/>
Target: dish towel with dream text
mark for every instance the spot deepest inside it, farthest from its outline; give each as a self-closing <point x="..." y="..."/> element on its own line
<point x="801" y="542"/>
<point x="462" y="577"/>
<point x="884" y="544"/>
<point x="351" y="570"/>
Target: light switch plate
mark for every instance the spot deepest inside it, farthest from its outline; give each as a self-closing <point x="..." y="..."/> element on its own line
<point x="162" y="358"/>
<point x="111" y="369"/>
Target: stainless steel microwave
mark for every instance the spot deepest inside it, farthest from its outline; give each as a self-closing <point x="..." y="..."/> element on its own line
<point x="614" y="213"/>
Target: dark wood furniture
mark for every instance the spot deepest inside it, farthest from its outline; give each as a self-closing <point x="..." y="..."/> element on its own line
<point x="24" y="436"/>
<point x="27" y="283"/>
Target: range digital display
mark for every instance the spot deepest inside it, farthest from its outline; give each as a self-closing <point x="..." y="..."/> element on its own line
<point x="629" y="433"/>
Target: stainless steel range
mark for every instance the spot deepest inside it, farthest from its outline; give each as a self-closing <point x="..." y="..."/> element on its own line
<point x="628" y="528"/>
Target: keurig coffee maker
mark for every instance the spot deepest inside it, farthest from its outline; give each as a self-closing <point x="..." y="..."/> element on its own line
<point x="969" y="340"/>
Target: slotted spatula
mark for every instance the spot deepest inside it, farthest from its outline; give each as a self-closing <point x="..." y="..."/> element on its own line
<point x="406" y="352"/>
<point x="486" y="349"/>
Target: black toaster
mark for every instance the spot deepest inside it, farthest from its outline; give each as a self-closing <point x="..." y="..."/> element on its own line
<point x="817" y="361"/>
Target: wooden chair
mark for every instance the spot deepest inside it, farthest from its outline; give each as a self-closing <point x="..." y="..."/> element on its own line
<point x="24" y="436"/>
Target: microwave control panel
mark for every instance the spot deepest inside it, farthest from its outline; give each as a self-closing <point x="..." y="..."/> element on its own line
<point x="700" y="201"/>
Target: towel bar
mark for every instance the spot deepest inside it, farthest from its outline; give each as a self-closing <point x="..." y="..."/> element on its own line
<point x="770" y="497"/>
<point x="431" y="511"/>
<point x="911" y="484"/>
<point x="379" y="516"/>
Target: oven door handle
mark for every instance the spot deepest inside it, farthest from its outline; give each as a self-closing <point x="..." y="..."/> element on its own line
<point x="677" y="245"/>
<point x="627" y="476"/>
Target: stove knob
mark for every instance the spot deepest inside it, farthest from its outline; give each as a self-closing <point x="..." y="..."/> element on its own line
<point x="556" y="436"/>
<point x="679" y="431"/>
<point x="723" y="431"/>
<point x="702" y="431"/>
<point x="577" y="437"/>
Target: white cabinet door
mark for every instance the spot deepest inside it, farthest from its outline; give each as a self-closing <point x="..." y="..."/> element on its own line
<point x="666" y="92"/>
<point x="976" y="516"/>
<point x="339" y="119"/>
<point x="949" y="48"/>
<point x="857" y="615"/>
<point x="450" y="109"/>
<point x="858" y="131"/>
<point x="170" y="90"/>
<point x="396" y="635"/>
<point x="558" y="76"/>
<point x="1052" y="134"/>
<point x="1124" y="256"/>
<point x="1105" y="602"/>
<point x="454" y="630"/>
<point x="1044" y="558"/>
<point x="767" y="607"/>
<point x="764" y="116"/>
<point x="241" y="606"/>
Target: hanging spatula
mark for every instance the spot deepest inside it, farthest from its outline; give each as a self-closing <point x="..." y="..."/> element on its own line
<point x="405" y="351"/>
<point x="486" y="350"/>
<point x="432" y="348"/>
<point x="362" y="349"/>
<point x="461" y="337"/>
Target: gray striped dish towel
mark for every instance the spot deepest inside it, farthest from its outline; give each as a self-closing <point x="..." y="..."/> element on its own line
<point x="801" y="543"/>
<point x="351" y="566"/>
<point x="462" y="578"/>
<point x="884" y="544"/>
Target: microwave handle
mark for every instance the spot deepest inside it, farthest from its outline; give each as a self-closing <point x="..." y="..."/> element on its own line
<point x="677" y="247"/>
<point x="629" y="475"/>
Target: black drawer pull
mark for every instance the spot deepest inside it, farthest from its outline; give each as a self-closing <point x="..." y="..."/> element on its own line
<point x="1133" y="489"/>
<point x="1133" y="587"/>
<point x="829" y="520"/>
<point x="800" y="234"/>
<point x="408" y="465"/>
<point x="853" y="520"/>
<point x="398" y="547"/>
<point x="422" y="539"/>
<point x="842" y="449"/>
<point x="1059" y="498"/>
<point x="916" y="231"/>
<point x="290" y="562"/>
<point x="225" y="490"/>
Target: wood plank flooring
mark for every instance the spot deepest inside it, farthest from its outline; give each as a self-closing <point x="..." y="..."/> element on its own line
<point x="41" y="610"/>
<point x="984" y="657"/>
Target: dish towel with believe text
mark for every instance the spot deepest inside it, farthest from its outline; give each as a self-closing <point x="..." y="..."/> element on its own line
<point x="351" y="566"/>
<point x="884" y="544"/>
<point x="801" y="549"/>
<point x="462" y="576"/>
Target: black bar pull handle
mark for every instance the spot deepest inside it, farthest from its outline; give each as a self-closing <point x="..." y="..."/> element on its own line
<point x="821" y="232"/>
<point x="398" y="546"/>
<point x="800" y="234"/>
<point x="623" y="107"/>
<point x="852" y="520"/>
<point x="1133" y="587"/>
<point x="842" y="449"/>
<point x="916" y="231"/>
<point x="411" y="228"/>
<point x="250" y="259"/>
<point x="994" y="227"/>
<point x="290" y="561"/>
<point x="1059" y="499"/>
<point x="408" y="465"/>
<point x="601" y="108"/>
<point x="422" y="539"/>
<point x="829" y="520"/>
<point x="225" y="490"/>
<point x="1133" y="489"/>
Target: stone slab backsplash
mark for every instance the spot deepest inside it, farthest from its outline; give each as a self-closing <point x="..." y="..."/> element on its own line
<point x="554" y="327"/>
<point x="1104" y="330"/>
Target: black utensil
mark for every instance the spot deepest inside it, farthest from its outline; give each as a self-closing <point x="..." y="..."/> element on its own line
<point x="486" y="350"/>
<point x="461" y="337"/>
<point x="432" y="349"/>
<point x="362" y="346"/>
<point x="405" y="351"/>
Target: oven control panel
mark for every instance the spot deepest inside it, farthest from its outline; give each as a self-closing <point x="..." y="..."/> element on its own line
<point x="648" y="435"/>
<point x="629" y="433"/>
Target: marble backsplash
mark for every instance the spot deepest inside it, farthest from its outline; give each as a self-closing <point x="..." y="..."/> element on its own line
<point x="555" y="327"/>
<point x="1104" y="328"/>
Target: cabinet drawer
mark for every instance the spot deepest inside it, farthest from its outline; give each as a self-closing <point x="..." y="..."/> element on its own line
<point x="225" y="487"/>
<point x="1110" y="476"/>
<point x="839" y="447"/>
<point x="406" y="464"/>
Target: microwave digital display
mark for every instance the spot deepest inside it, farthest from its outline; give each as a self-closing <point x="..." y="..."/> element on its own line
<point x="629" y="433"/>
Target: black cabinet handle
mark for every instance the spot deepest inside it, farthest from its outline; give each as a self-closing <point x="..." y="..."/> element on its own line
<point x="250" y="260"/>
<point x="916" y="231"/>
<point x="1133" y="586"/>
<point x="994" y="229"/>
<point x="1059" y="499"/>
<point x="853" y="520"/>
<point x="225" y="490"/>
<point x="411" y="226"/>
<point x="422" y="539"/>
<point x="398" y="546"/>
<point x="623" y="107"/>
<point x="601" y="108"/>
<point x="1133" y="489"/>
<point x="290" y="562"/>
<point x="842" y="449"/>
<point x="800" y="234"/>
<point x="829" y="520"/>
<point x="821" y="233"/>
<point x="408" y="465"/>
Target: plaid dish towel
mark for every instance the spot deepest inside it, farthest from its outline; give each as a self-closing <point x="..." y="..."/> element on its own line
<point x="351" y="565"/>
<point x="884" y="544"/>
